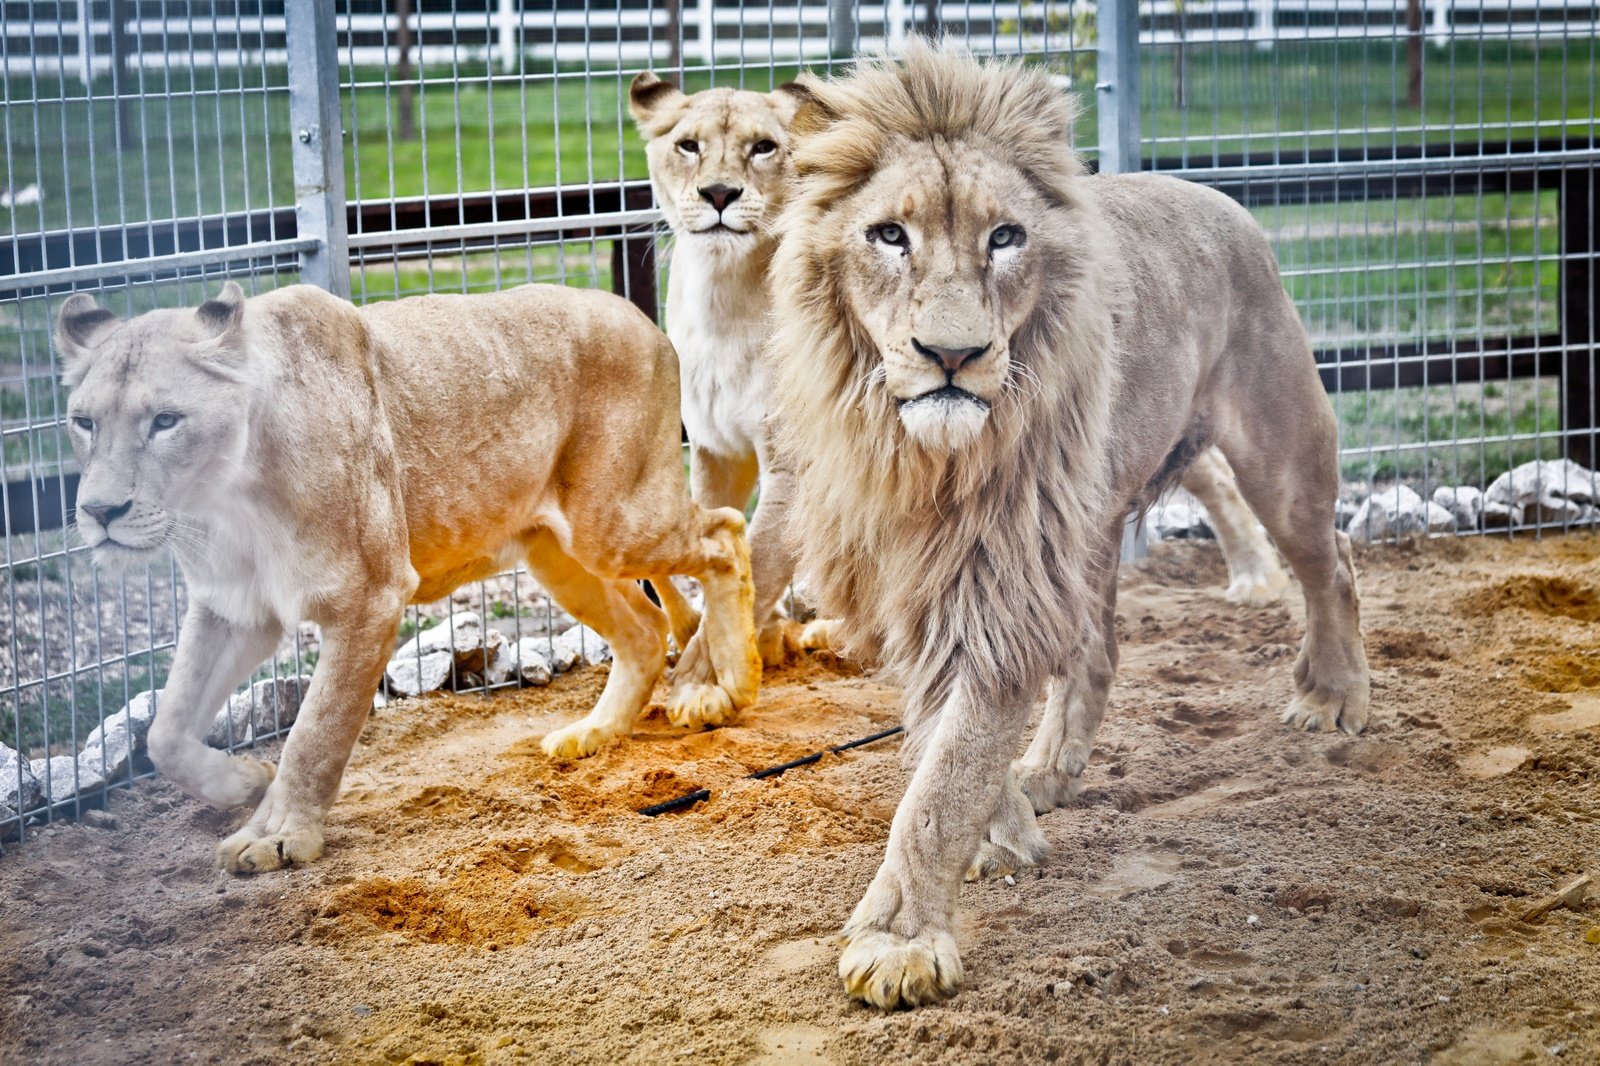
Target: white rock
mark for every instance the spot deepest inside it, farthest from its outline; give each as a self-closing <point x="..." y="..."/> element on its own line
<point x="1463" y="501"/>
<point x="110" y="747"/>
<point x="1533" y="482"/>
<point x="412" y="675"/>
<point x="463" y="635"/>
<point x="1499" y="515"/>
<point x="581" y="646"/>
<point x="1394" y="512"/>
<point x="1555" y="509"/>
<point x="57" y="774"/>
<point x="262" y="709"/>
<point x="1343" y="512"/>
<point x="1175" y="517"/>
<point x="1441" y="519"/>
<point x="19" y="786"/>
<point x="523" y="661"/>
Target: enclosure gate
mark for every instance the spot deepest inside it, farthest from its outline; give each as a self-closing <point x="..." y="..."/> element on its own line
<point x="1427" y="171"/>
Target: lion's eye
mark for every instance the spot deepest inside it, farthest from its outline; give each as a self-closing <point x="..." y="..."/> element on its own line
<point x="689" y="146"/>
<point x="85" y="424"/>
<point x="889" y="233"/>
<point x="763" y="148"/>
<point x="1006" y="237"/>
<point x="164" y="421"/>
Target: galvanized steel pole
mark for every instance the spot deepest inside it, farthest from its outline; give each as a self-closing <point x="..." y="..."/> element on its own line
<point x="317" y="143"/>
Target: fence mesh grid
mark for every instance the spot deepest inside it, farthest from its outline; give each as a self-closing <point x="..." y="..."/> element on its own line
<point x="1426" y="172"/>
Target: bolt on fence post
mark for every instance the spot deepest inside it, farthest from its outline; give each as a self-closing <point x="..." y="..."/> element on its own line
<point x="317" y="142"/>
<point x="1117" y="103"/>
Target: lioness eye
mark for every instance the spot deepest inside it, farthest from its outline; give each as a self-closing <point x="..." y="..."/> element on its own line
<point x="888" y="233"/>
<point x="763" y="148"/>
<point x="1005" y="237"/>
<point x="85" y="424"/>
<point x="689" y="146"/>
<point x="165" y="420"/>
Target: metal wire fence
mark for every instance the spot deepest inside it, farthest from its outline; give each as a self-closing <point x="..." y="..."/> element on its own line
<point x="1427" y="173"/>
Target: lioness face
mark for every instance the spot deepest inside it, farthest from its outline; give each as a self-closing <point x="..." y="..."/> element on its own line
<point x="157" y="417"/>
<point x="717" y="159"/>
<point x="942" y="267"/>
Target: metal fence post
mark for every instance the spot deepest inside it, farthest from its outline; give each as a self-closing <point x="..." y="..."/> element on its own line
<point x="317" y="142"/>
<point x="1117" y="89"/>
<point x="1117" y="101"/>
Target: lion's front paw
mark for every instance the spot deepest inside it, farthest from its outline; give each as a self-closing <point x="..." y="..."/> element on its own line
<point x="579" y="740"/>
<point x="888" y="970"/>
<point x="1324" y="710"/>
<point x="778" y="641"/>
<point x="251" y="852"/>
<point x="1048" y="787"/>
<point x="1012" y="839"/>
<point x="820" y="634"/>
<point x="1257" y="589"/>
<point x="246" y="782"/>
<point x="698" y="706"/>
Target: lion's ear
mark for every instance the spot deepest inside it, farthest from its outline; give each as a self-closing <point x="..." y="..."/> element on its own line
<point x="222" y="314"/>
<point x="655" y="105"/>
<point x="81" y="325"/>
<point x="809" y="110"/>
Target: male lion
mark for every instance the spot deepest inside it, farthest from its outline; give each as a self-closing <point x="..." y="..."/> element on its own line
<point x="719" y="161"/>
<point x="306" y="459"/>
<point x="984" y="360"/>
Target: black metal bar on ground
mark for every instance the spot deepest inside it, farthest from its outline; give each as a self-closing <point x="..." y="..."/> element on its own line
<point x="689" y="799"/>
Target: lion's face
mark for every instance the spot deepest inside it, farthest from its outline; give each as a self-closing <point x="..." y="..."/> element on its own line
<point x="157" y="417"/>
<point x="941" y="271"/>
<point x="717" y="159"/>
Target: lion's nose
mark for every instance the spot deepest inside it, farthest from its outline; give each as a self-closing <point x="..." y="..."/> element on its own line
<point x="951" y="359"/>
<point x="720" y="196"/>
<point x="107" y="513"/>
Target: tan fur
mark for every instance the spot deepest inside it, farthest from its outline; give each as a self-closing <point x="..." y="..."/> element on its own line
<point x="971" y="418"/>
<point x="718" y="312"/>
<point x="334" y="464"/>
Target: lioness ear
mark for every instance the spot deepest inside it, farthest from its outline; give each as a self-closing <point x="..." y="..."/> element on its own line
<point x="81" y="324"/>
<point x="654" y="104"/>
<point x="809" y="112"/>
<point x="221" y="314"/>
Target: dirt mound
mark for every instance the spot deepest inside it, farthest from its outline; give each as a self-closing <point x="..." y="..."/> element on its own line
<point x="1557" y="595"/>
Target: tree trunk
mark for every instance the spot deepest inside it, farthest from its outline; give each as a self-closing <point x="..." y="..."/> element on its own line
<point x="402" y="73"/>
<point x="1414" y="53"/>
<point x="674" y="32"/>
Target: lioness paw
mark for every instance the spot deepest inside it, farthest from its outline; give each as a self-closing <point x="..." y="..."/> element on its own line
<point x="888" y="970"/>
<point x="778" y="642"/>
<point x="1323" y="711"/>
<point x="251" y="852"/>
<point x="1257" y="590"/>
<point x="697" y="706"/>
<point x="579" y="740"/>
<point x="818" y="635"/>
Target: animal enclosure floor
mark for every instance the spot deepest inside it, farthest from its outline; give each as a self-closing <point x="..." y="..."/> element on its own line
<point x="1225" y="890"/>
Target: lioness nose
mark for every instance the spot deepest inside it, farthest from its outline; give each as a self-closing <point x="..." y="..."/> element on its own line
<point x="720" y="196"/>
<point x="952" y="359"/>
<point x="106" y="513"/>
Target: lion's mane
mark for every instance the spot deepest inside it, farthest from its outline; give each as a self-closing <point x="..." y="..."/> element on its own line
<point x="970" y="565"/>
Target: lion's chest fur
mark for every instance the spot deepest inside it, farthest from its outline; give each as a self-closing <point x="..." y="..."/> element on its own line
<point x="718" y="318"/>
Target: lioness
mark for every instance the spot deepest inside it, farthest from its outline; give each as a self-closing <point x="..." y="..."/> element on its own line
<point x="983" y="361"/>
<point x="308" y="460"/>
<point x="718" y="162"/>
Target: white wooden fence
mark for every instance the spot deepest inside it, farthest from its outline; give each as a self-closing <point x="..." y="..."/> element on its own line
<point x="76" y="41"/>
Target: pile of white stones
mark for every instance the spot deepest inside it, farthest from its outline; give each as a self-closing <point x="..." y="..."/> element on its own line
<point x="1546" y="491"/>
<point x="462" y="653"/>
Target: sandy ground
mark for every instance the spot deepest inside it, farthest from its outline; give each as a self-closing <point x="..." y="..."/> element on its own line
<point x="1226" y="890"/>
